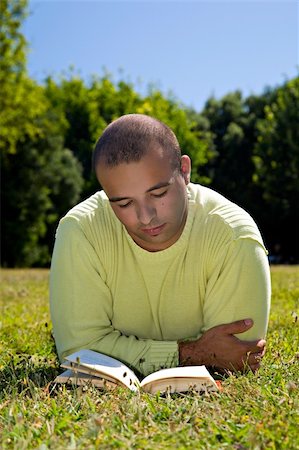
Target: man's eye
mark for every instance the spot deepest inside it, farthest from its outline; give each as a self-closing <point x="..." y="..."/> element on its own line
<point x="125" y="205"/>
<point x="160" y="195"/>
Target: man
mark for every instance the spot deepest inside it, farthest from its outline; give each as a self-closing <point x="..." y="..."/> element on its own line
<point x="154" y="270"/>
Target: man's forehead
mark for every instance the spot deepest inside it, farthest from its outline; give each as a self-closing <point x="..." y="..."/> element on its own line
<point x="152" y="151"/>
<point x="135" y="178"/>
<point x="155" y="155"/>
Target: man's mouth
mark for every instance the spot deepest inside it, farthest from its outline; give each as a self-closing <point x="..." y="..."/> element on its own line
<point x="154" y="231"/>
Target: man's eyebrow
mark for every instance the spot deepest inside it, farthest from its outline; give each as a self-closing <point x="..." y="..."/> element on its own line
<point x="153" y="188"/>
<point x="159" y="186"/>
<point x="117" y="199"/>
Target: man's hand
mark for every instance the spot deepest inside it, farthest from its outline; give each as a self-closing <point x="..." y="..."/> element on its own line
<point x="219" y="348"/>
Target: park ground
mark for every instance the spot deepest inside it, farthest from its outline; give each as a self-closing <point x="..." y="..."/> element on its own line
<point x="252" y="411"/>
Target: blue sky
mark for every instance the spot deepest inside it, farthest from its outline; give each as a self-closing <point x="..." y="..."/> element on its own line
<point x="193" y="49"/>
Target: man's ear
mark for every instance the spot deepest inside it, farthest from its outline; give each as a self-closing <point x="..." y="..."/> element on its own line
<point x="186" y="168"/>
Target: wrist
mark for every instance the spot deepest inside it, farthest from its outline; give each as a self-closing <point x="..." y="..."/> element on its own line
<point x="184" y="357"/>
<point x="190" y="353"/>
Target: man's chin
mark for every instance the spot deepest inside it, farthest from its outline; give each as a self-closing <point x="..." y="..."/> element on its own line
<point x="150" y="243"/>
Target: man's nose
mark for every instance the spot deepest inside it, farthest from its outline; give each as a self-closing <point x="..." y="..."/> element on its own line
<point x="146" y="213"/>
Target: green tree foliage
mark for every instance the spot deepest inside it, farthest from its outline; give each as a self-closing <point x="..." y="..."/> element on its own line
<point x="276" y="158"/>
<point x="71" y="101"/>
<point x="256" y="156"/>
<point x="19" y="106"/>
<point x="232" y="124"/>
<point x="245" y="148"/>
<point x="41" y="179"/>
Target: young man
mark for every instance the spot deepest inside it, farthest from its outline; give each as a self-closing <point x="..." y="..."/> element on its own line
<point x="154" y="270"/>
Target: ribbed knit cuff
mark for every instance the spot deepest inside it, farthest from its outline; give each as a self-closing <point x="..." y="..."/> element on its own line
<point x="160" y="355"/>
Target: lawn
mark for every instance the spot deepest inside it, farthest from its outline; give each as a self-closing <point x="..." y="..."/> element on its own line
<point x="251" y="412"/>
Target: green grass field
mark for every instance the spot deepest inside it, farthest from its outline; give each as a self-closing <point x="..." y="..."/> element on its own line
<point x="252" y="412"/>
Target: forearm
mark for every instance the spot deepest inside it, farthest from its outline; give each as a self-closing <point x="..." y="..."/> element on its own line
<point x="219" y="348"/>
<point x="82" y="308"/>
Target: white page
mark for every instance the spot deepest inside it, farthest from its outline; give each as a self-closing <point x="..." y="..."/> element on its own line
<point x="106" y="365"/>
<point x="179" y="372"/>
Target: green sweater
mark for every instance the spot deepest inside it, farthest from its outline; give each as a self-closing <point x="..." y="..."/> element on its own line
<point x="110" y="295"/>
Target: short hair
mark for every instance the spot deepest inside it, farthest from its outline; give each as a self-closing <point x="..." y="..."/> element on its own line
<point x="128" y="138"/>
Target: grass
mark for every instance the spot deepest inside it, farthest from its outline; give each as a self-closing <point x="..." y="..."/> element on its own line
<point x="252" y="412"/>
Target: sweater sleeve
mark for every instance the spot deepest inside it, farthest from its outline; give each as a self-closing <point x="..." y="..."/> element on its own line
<point x="82" y="307"/>
<point x="239" y="287"/>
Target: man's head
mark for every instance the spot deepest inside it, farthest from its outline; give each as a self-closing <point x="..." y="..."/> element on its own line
<point x="138" y="163"/>
<point x="128" y="139"/>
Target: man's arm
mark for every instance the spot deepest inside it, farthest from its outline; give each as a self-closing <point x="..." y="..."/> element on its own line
<point x="82" y="307"/>
<point x="219" y="348"/>
<point x="239" y="289"/>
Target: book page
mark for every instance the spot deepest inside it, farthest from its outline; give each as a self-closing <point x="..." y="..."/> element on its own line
<point x="68" y="376"/>
<point x="77" y="368"/>
<point x="179" y="379"/>
<point x="105" y="365"/>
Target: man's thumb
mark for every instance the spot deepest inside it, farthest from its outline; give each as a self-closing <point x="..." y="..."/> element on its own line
<point x="239" y="326"/>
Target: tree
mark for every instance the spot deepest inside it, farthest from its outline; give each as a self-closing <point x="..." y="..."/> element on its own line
<point x="18" y="107"/>
<point x="42" y="180"/>
<point x="276" y="158"/>
<point x="231" y="123"/>
<point x="71" y="101"/>
<point x="37" y="171"/>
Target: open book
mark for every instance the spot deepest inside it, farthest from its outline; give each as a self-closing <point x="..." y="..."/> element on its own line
<point x="87" y="366"/>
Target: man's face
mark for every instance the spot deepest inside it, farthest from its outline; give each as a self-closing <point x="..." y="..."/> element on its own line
<point x="149" y="197"/>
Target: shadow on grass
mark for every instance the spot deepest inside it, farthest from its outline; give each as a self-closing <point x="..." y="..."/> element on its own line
<point x="18" y="374"/>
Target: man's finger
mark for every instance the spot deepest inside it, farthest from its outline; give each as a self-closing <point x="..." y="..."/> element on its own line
<point x="255" y="346"/>
<point x="254" y="358"/>
<point x="255" y="367"/>
<point x="261" y="344"/>
<point x="237" y="327"/>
